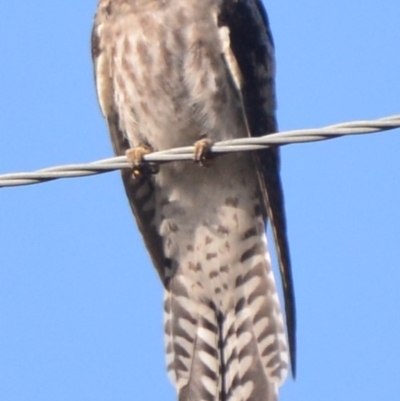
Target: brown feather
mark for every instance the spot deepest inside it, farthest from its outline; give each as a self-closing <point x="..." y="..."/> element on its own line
<point x="251" y="45"/>
<point x="140" y="191"/>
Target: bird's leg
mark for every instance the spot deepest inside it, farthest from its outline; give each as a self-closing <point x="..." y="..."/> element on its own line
<point x="202" y="154"/>
<point x="135" y="156"/>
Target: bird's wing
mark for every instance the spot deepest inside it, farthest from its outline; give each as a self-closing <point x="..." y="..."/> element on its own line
<point x="140" y="191"/>
<point x="249" y="55"/>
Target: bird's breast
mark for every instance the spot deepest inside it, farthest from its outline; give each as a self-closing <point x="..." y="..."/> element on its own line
<point x="171" y="83"/>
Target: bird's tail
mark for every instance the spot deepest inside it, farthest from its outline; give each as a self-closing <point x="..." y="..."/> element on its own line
<point x="233" y="353"/>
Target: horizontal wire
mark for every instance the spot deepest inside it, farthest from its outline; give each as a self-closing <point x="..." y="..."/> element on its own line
<point x="186" y="153"/>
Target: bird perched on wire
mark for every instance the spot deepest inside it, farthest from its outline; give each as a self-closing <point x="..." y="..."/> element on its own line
<point x="174" y="73"/>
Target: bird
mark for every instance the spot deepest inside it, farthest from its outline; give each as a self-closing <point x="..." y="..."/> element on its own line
<point x="173" y="73"/>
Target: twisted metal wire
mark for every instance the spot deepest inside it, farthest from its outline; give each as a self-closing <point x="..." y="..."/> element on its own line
<point x="186" y="153"/>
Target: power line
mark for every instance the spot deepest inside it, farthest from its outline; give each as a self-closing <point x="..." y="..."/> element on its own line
<point x="186" y="153"/>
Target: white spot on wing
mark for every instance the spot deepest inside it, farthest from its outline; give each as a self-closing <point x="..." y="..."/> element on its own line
<point x="207" y="336"/>
<point x="208" y="360"/>
<point x="209" y="385"/>
<point x="229" y="57"/>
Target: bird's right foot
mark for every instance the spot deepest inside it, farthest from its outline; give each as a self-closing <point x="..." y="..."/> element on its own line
<point x="136" y="158"/>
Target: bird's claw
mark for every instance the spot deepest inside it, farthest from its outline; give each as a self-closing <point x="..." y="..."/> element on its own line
<point x="202" y="153"/>
<point x="135" y="157"/>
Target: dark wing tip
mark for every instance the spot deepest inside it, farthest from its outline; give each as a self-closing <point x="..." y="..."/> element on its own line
<point x="252" y="45"/>
<point x="269" y="163"/>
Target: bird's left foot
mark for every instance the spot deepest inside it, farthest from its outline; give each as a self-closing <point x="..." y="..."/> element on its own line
<point x="202" y="152"/>
<point x="135" y="156"/>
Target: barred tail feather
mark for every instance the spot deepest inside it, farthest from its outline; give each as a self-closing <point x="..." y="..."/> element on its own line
<point x="255" y="349"/>
<point x="191" y="333"/>
<point x="237" y="354"/>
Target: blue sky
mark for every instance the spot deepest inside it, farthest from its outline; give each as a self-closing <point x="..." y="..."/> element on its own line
<point x="80" y="305"/>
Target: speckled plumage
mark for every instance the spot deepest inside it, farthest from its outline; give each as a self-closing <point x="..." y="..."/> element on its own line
<point x="168" y="73"/>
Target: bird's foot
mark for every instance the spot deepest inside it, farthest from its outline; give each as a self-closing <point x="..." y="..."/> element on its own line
<point x="136" y="158"/>
<point x="202" y="154"/>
